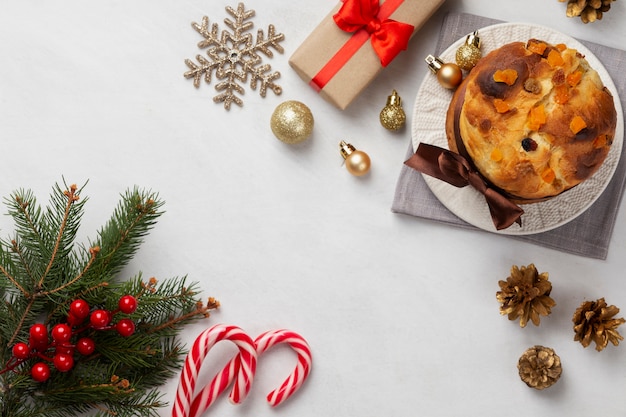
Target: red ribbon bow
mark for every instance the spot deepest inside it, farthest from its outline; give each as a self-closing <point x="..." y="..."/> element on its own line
<point x="455" y="170"/>
<point x="388" y="37"/>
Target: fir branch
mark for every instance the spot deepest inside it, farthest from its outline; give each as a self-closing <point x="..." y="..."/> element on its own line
<point x="174" y="322"/>
<point x="26" y="214"/>
<point x="21" y="321"/>
<point x="45" y="240"/>
<point x="42" y="270"/>
<point x="47" y="409"/>
<point x="120" y="238"/>
<point x="168" y="357"/>
<point x="94" y="252"/>
<point x="17" y="250"/>
<point x="143" y="405"/>
<point x="66" y="231"/>
<point x="13" y="281"/>
<point x="63" y="307"/>
<point x="160" y="300"/>
<point x="72" y="197"/>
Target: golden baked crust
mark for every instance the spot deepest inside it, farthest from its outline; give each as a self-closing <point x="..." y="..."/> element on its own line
<point x="534" y="119"/>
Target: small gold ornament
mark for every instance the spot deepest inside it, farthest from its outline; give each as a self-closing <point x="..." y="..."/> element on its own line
<point x="392" y="116"/>
<point x="468" y="54"/>
<point x="539" y="367"/>
<point x="292" y="122"/>
<point x="594" y="321"/>
<point x="525" y="295"/>
<point x="357" y="162"/>
<point x="449" y="75"/>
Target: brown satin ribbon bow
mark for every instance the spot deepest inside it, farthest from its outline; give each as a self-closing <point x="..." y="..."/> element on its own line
<point x="456" y="170"/>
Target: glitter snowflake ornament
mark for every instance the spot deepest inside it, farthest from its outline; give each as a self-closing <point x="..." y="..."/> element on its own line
<point x="234" y="56"/>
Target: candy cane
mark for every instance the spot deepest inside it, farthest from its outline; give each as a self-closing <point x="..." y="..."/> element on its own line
<point x="295" y="380"/>
<point x="242" y="370"/>
<point x="263" y="342"/>
<point x="207" y="396"/>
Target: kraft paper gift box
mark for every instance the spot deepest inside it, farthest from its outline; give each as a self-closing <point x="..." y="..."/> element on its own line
<point x="340" y="64"/>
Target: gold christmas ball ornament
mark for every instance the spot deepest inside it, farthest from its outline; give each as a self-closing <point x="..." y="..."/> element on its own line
<point x="449" y="75"/>
<point x="392" y="116"/>
<point x="357" y="162"/>
<point x="468" y="54"/>
<point x="292" y="122"/>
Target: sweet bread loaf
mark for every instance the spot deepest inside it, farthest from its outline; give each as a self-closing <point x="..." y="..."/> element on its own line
<point x="534" y="119"/>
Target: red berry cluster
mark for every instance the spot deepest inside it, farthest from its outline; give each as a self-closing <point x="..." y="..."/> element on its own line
<point x="39" y="343"/>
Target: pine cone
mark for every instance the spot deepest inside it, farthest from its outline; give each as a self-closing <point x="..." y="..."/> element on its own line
<point x="593" y="321"/>
<point x="525" y="295"/>
<point x="588" y="10"/>
<point x="539" y="367"/>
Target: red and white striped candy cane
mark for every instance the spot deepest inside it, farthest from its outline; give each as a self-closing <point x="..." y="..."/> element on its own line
<point x="207" y="396"/>
<point x="264" y="342"/>
<point x="295" y="380"/>
<point x="242" y="369"/>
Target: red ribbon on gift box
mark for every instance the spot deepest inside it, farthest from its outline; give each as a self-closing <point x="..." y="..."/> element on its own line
<point x="367" y="19"/>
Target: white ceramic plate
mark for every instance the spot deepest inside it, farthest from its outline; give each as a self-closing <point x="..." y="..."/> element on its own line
<point x="429" y="118"/>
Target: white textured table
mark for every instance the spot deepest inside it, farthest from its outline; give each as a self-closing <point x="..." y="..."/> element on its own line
<point x="400" y="312"/>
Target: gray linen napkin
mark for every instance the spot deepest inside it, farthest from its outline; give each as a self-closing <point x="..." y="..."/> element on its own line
<point x="590" y="233"/>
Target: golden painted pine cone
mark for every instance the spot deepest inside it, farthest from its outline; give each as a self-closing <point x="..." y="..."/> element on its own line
<point x="525" y="295"/>
<point x="539" y="367"/>
<point x="588" y="10"/>
<point x="594" y="322"/>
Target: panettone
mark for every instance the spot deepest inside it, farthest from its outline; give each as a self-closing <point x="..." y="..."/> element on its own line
<point x="534" y="119"/>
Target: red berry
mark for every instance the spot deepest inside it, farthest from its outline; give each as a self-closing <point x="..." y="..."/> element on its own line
<point x="38" y="337"/>
<point x="40" y="372"/>
<point x="73" y="320"/>
<point x="39" y="332"/>
<point x="79" y="308"/>
<point x="85" y="346"/>
<point x="61" y="333"/>
<point x="21" y="350"/>
<point x="128" y="304"/>
<point x="125" y="327"/>
<point x="66" y="349"/>
<point x="100" y="319"/>
<point x="63" y="362"/>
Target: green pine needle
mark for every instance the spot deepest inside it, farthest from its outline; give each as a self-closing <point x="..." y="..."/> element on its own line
<point x="43" y="269"/>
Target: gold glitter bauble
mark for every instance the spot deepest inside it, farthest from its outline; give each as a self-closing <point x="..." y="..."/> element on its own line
<point x="392" y="116"/>
<point x="468" y="54"/>
<point x="292" y="122"/>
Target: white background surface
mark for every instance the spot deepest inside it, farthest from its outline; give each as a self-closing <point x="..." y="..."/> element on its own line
<point x="400" y="312"/>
